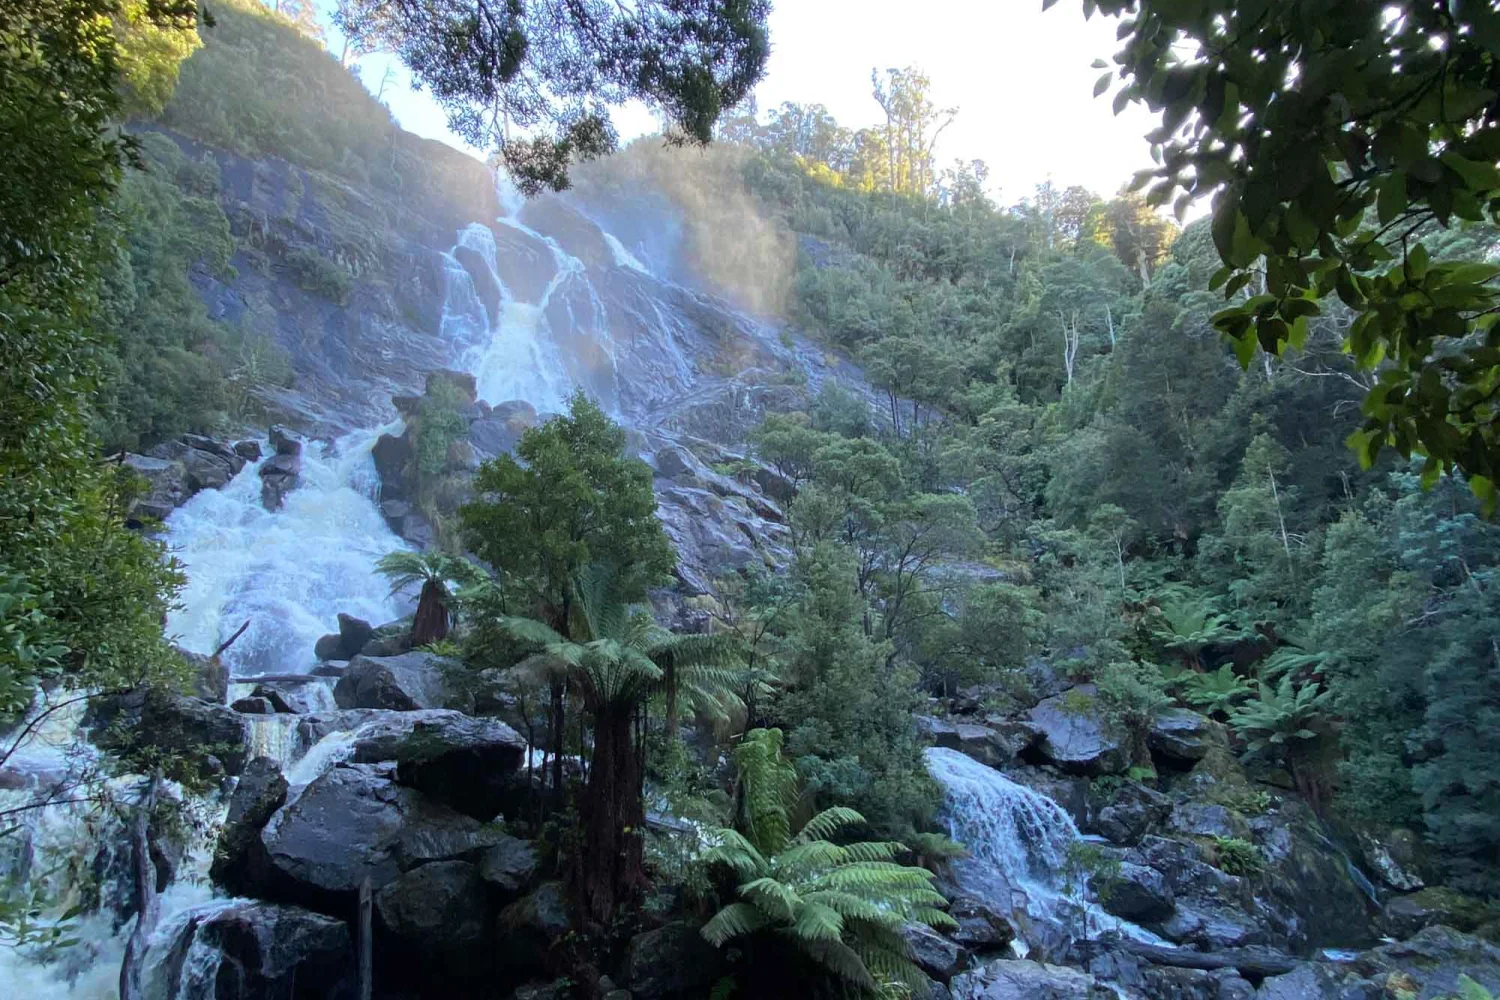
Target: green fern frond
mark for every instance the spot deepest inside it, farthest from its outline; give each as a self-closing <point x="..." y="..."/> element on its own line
<point x="772" y="897"/>
<point x="816" y="922"/>
<point x="829" y="822"/>
<point x="838" y="958"/>
<point x="734" y="920"/>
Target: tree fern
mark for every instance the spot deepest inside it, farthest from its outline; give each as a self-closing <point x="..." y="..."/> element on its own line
<point x="841" y="905"/>
<point x="434" y="571"/>
<point x="1216" y="691"/>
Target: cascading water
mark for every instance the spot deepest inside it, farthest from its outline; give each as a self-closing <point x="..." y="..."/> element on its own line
<point x="288" y="572"/>
<point x="1025" y="839"/>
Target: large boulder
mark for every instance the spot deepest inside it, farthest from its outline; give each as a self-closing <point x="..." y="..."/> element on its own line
<point x="166" y="488"/>
<point x="1131" y="812"/>
<point x="204" y="740"/>
<point x="1006" y="979"/>
<point x="355" y="823"/>
<point x="349" y="641"/>
<point x="1181" y="736"/>
<point x="938" y="956"/>
<point x="438" y="914"/>
<point x="1139" y="894"/>
<point x="255" y="951"/>
<point x="1395" y="858"/>
<point x="510" y="866"/>
<point x="991" y="745"/>
<point x="402" y="683"/>
<point x="466" y="763"/>
<point x="1075" y="736"/>
<point x="672" y="962"/>
<point x="240" y="861"/>
<point x="279" y="475"/>
<point x="396" y="464"/>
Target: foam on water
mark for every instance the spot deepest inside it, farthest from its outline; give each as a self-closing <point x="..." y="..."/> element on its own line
<point x="288" y="572"/>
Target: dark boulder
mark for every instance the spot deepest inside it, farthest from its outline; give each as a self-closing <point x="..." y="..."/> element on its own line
<point x="1404" y="916"/>
<point x="240" y="862"/>
<point x="396" y="464"/>
<point x="254" y="705"/>
<point x="353" y="636"/>
<point x="1138" y="893"/>
<point x="1181" y="736"/>
<point x="1395" y="858"/>
<point x="354" y="823"/>
<point x="166" y="488"/>
<point x="403" y="683"/>
<point x="257" y="951"/>
<point x="278" y="477"/>
<point x="1133" y="811"/>
<point x="1074" y="735"/>
<point x="991" y="745"/>
<point x="467" y="763"/>
<point x="509" y="866"/>
<point x="672" y="962"/>
<point x="1424" y="967"/>
<point x="438" y="915"/>
<point x="940" y="957"/>
<point x="283" y="442"/>
<point x="207" y="471"/>
<point x="248" y="450"/>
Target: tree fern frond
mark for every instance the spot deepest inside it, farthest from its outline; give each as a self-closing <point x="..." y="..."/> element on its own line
<point x="530" y="631"/>
<point x="772" y="898"/>
<point x="734" y="920"/>
<point x="816" y="922"/>
<point x="829" y="822"/>
<point x="805" y="857"/>
<point x="877" y="850"/>
<point x="933" y="917"/>
<point x="852" y="907"/>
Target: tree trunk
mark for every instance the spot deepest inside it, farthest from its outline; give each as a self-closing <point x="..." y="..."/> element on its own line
<point x="147" y="903"/>
<point x="555" y="734"/>
<point x="609" y="871"/>
<point x="430" y="623"/>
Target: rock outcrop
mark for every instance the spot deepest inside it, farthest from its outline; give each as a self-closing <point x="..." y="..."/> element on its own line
<point x="402" y="683"/>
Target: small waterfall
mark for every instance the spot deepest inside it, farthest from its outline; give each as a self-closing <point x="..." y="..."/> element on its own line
<point x="290" y="571"/>
<point x="1023" y="837"/>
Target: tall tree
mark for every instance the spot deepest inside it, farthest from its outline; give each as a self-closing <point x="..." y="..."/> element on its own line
<point x="913" y="124"/>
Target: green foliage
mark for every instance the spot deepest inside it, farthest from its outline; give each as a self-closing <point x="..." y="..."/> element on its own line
<point x="1468" y="989"/>
<point x="842" y="906"/>
<point x="1188" y="625"/>
<point x="1130" y="694"/>
<point x="1280" y="718"/>
<point x="576" y="499"/>
<point x="315" y="272"/>
<point x="554" y="69"/>
<point x="1238" y="857"/>
<point x="1216" y="692"/>
<point x="440" y="422"/>
<point x="1344" y="203"/>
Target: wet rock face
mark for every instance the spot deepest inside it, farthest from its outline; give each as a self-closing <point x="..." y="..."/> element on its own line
<point x="1131" y="812"/>
<point x="259" y="951"/>
<point x="992" y="745"/>
<point x="439" y="913"/>
<point x="938" y="956"/>
<point x="1139" y="894"/>
<point x="240" y="861"/>
<point x="1180" y="736"/>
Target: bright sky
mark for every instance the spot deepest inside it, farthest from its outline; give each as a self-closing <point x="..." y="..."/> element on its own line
<point x="1020" y="78"/>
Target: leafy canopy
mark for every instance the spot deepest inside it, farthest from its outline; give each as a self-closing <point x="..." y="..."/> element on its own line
<point x="1338" y="139"/>
<point x="553" y="68"/>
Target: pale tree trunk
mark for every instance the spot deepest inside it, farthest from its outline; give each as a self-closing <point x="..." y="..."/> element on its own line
<point x="147" y="903"/>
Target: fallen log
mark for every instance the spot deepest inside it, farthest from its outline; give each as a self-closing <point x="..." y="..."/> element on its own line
<point x="1253" y="963"/>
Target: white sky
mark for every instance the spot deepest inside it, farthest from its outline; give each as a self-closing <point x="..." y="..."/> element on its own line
<point x="1021" y="79"/>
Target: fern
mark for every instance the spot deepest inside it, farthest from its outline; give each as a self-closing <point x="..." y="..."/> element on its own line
<point x="843" y="906"/>
<point x="1216" y="691"/>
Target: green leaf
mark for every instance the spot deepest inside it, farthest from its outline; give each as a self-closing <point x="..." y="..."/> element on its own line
<point x="1482" y="177"/>
<point x="1102" y="84"/>
<point x="1392" y="199"/>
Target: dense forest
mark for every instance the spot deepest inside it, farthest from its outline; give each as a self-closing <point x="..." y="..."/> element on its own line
<point x="1062" y="452"/>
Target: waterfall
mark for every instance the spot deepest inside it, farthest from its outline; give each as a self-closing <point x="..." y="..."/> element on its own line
<point x="289" y="572"/>
<point x="1025" y="839"/>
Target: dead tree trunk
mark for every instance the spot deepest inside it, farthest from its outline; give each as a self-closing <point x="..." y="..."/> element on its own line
<point x="147" y="904"/>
